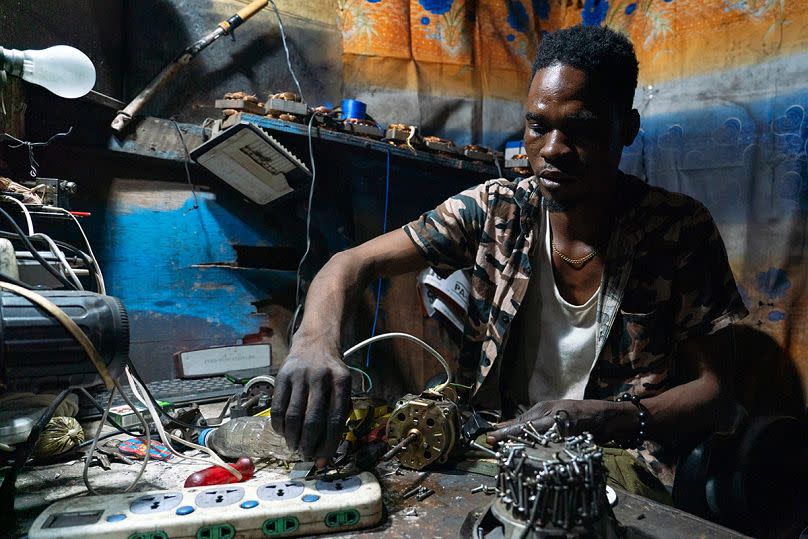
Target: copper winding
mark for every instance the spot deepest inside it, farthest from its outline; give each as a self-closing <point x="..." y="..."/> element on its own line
<point x="286" y="96"/>
<point x="285" y="116"/>
<point x="431" y="138"/>
<point x="241" y="95"/>
<point x="405" y="127"/>
<point x="361" y="121"/>
<point x="476" y="148"/>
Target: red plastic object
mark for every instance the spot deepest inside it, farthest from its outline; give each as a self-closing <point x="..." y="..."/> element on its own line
<point x="216" y="475"/>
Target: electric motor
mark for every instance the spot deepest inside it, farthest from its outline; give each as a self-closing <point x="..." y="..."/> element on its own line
<point x="424" y="428"/>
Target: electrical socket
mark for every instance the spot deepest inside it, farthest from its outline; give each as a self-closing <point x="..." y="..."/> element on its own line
<point x="281" y="491"/>
<point x="219" y="497"/>
<point x="155" y="503"/>
<point x="215" y="512"/>
<point x="349" y="484"/>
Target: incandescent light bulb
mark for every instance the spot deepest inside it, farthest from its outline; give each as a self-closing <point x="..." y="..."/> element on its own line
<point x="65" y="71"/>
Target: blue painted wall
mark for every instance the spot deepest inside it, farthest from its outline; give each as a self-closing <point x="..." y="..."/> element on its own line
<point x="156" y="251"/>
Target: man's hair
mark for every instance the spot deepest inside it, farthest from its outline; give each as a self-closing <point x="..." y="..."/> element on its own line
<point x="607" y="57"/>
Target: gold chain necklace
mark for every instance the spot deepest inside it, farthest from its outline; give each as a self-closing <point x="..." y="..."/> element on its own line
<point x="575" y="262"/>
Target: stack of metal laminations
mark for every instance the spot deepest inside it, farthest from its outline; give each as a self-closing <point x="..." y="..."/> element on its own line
<point x="549" y="485"/>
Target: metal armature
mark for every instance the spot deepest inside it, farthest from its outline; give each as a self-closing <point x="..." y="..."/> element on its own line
<point x="423" y="428"/>
<point x="548" y="481"/>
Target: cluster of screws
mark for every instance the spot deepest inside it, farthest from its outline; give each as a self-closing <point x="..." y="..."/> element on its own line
<point x="564" y="491"/>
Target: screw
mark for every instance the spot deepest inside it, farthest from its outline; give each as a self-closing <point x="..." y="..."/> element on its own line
<point x="400" y="446"/>
<point x="411" y="492"/>
<point x="424" y="494"/>
<point x="483" y="449"/>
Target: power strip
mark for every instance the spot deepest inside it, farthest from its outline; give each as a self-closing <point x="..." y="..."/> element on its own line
<point x="253" y="509"/>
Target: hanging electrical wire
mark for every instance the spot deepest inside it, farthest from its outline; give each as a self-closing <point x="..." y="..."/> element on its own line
<point x="298" y="299"/>
<point x="102" y="289"/>
<point x="54" y="249"/>
<point x="407" y="336"/>
<point x="186" y="160"/>
<point x="72" y="249"/>
<point x="60" y="257"/>
<point x="34" y="172"/>
<point x="379" y="285"/>
<point x="28" y="245"/>
<point x="286" y="49"/>
<point x="365" y="376"/>
<point x="25" y="212"/>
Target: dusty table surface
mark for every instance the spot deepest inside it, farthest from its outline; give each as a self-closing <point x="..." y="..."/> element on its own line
<point x="441" y="515"/>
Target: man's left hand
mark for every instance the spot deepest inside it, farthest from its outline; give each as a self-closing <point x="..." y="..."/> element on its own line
<point x="583" y="415"/>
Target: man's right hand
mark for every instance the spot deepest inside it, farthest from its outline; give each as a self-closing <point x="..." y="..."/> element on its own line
<point x="312" y="396"/>
<point x="312" y="400"/>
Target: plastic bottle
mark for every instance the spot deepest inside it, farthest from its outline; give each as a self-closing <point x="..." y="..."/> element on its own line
<point x="250" y="436"/>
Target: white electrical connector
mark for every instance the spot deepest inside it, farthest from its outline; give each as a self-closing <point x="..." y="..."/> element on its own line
<point x="142" y="395"/>
<point x="365" y="376"/>
<point x="393" y="335"/>
<point x="25" y="212"/>
<point x="99" y="277"/>
<point x="54" y="249"/>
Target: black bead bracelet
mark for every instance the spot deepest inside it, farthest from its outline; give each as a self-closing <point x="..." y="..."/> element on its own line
<point x="642" y="415"/>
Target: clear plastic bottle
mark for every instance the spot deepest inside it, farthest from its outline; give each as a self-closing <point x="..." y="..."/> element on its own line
<point x="250" y="436"/>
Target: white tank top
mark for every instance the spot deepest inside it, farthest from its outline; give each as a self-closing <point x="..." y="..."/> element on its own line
<point x="557" y="344"/>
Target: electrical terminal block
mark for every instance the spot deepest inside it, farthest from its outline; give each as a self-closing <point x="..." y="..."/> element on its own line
<point x="367" y="128"/>
<point x="479" y="153"/>
<point x="440" y="145"/>
<point x="286" y="103"/>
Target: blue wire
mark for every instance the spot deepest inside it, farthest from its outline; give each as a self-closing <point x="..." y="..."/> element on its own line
<point x="379" y="286"/>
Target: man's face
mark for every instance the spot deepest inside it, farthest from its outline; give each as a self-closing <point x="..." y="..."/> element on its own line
<point x="573" y="138"/>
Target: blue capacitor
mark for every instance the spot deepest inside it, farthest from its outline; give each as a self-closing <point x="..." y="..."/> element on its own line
<point x="353" y="108"/>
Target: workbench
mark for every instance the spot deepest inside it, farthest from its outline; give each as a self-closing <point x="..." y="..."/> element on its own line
<point x="453" y="507"/>
<point x="440" y="515"/>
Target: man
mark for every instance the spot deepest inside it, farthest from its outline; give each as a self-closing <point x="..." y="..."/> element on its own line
<point x="620" y="288"/>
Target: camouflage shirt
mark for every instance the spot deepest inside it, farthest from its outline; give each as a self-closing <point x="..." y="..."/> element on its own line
<point x="666" y="278"/>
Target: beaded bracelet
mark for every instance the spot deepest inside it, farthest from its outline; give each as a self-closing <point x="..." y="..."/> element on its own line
<point x="642" y="414"/>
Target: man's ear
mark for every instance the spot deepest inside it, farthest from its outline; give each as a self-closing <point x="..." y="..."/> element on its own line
<point x="631" y="127"/>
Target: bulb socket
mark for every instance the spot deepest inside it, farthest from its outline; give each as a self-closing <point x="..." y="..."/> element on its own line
<point x="12" y="61"/>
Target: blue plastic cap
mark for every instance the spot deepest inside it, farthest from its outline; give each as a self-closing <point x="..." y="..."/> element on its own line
<point x="353" y="108"/>
<point x="203" y="436"/>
